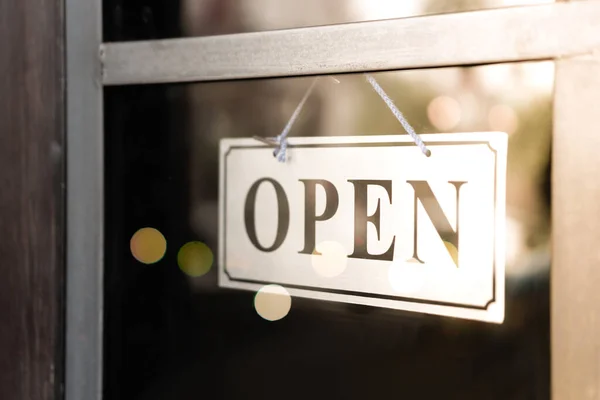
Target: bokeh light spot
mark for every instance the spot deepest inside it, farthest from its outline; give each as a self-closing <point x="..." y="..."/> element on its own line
<point x="272" y="302"/>
<point x="332" y="260"/>
<point x="195" y="259"/>
<point x="444" y="113"/>
<point x="503" y="118"/>
<point x="148" y="245"/>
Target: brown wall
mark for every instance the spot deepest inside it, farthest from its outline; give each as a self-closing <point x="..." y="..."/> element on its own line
<point x="32" y="108"/>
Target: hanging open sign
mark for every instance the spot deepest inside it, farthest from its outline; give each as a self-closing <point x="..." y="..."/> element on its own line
<point x="369" y="220"/>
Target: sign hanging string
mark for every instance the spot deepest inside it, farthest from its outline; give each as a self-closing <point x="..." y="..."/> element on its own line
<point x="281" y="139"/>
<point x="281" y="144"/>
<point x="398" y="114"/>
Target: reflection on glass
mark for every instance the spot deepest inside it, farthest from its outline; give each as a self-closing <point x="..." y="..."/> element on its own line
<point x="329" y="259"/>
<point x="272" y="302"/>
<point x="444" y="113"/>
<point x="195" y="259"/>
<point x="148" y="245"/>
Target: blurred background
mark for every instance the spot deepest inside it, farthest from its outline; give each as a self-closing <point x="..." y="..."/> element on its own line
<point x="170" y="334"/>
<point x="513" y="98"/>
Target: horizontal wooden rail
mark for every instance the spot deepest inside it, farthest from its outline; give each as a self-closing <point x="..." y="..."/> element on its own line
<point x="479" y="37"/>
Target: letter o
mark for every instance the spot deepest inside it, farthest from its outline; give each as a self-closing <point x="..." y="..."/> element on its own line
<point x="283" y="217"/>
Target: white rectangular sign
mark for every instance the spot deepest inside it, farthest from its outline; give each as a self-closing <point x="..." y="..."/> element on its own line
<point x="369" y="220"/>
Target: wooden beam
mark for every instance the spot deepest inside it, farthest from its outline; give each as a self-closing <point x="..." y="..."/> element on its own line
<point x="479" y="37"/>
<point x="575" y="271"/>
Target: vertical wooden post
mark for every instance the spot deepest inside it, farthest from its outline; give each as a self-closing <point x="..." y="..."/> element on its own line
<point x="576" y="230"/>
<point x="32" y="177"/>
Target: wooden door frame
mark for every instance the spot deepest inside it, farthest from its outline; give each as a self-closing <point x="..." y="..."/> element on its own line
<point x="32" y="199"/>
<point x="568" y="33"/>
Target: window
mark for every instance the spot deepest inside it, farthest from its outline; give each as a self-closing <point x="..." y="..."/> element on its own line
<point x="168" y="332"/>
<point x="168" y="103"/>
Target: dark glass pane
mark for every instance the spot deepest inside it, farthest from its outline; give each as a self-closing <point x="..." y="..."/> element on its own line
<point x="171" y="336"/>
